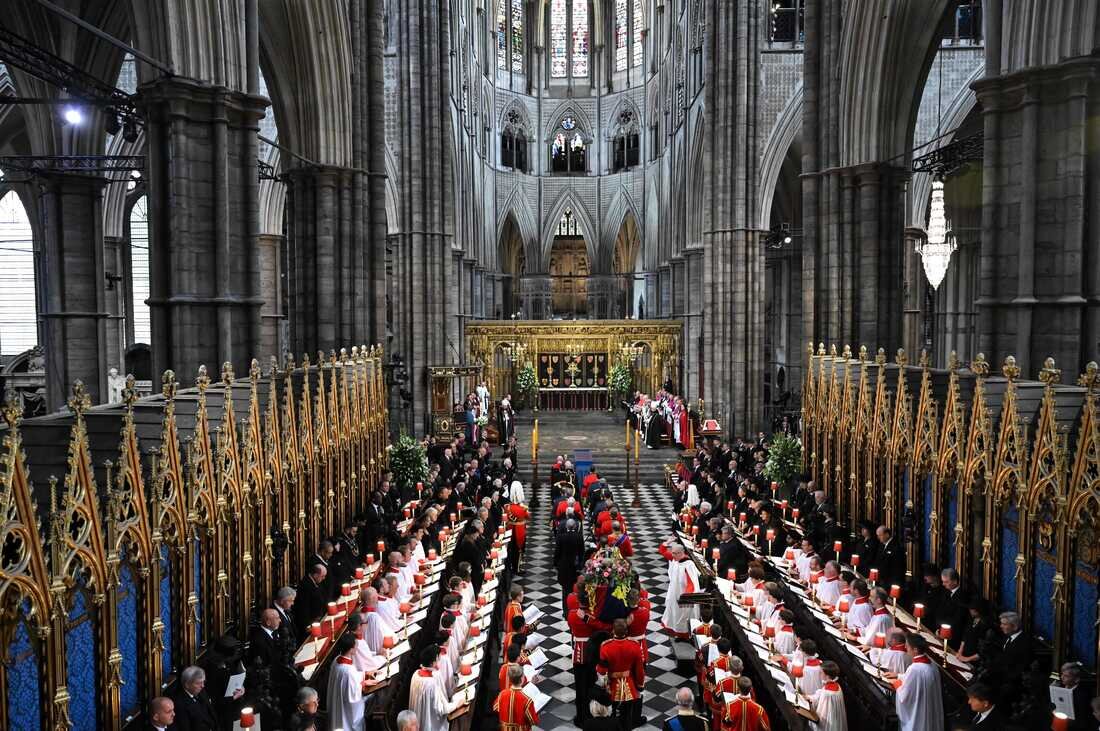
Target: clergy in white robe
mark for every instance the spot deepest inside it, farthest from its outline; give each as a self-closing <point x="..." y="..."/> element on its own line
<point x="366" y="659"/>
<point x="802" y="563"/>
<point x="683" y="578"/>
<point x="784" y="639"/>
<point x="828" y="586"/>
<point x="346" y="702"/>
<point x="828" y="702"/>
<point x="919" y="699"/>
<point x="881" y="623"/>
<point x="390" y="610"/>
<point x="428" y="697"/>
<point x="812" y="678"/>
<point x="894" y="659"/>
<point x="859" y="614"/>
<point x="452" y="606"/>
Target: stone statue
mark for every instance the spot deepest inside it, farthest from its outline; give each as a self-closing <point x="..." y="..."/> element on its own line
<point x="115" y="384"/>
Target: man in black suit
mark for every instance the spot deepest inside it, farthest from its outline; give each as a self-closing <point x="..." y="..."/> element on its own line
<point x="868" y="546"/>
<point x="193" y="707"/>
<point x="568" y="557"/>
<point x="311" y="601"/>
<point x="1015" y="657"/>
<point x="265" y="646"/>
<point x="987" y="714"/>
<point x="891" y="558"/>
<point x="685" y="718"/>
<point x="284" y="606"/>
<point x="955" y="609"/>
<point x="162" y="714"/>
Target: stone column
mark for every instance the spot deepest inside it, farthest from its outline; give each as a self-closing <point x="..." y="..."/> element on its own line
<point x="733" y="300"/>
<point x="913" y="294"/>
<point x="118" y="281"/>
<point x="74" y="314"/>
<point x="272" y="272"/>
<point x="203" y="224"/>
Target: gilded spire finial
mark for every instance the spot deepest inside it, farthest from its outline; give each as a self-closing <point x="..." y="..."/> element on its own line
<point x="305" y="360"/>
<point x="880" y="357"/>
<point x="332" y="356"/>
<point x="343" y="355"/>
<point x="953" y="362"/>
<point x="863" y="355"/>
<point x="1090" y="379"/>
<point x="290" y="361"/>
<point x="1010" y="370"/>
<point x="254" y="370"/>
<point x="832" y="350"/>
<point x="227" y="373"/>
<point x="13" y="409"/>
<point x="847" y="352"/>
<point x="320" y="358"/>
<point x="79" y="402"/>
<point x="168" y="385"/>
<point x="925" y="360"/>
<point x="980" y="366"/>
<point x="821" y="348"/>
<point x="1050" y="375"/>
<point x="203" y="380"/>
<point x="901" y="358"/>
<point x="273" y="362"/>
<point x="129" y="392"/>
<point x="355" y="352"/>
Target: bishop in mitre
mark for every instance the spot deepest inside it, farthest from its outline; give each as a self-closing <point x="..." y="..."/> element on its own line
<point x="683" y="578"/>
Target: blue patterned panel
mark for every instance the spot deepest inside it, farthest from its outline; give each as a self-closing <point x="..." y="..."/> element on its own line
<point x="949" y="524"/>
<point x="1042" y="588"/>
<point x="926" y="513"/>
<point x="23" y="691"/>
<point x="1083" y="644"/>
<point x="80" y="675"/>
<point x="128" y="640"/>
<point x="1010" y="546"/>
<point x="167" y="617"/>
<point x="196" y="568"/>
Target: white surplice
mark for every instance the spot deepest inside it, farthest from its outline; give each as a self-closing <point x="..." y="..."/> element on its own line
<point x="895" y="661"/>
<point x="375" y="629"/>
<point x="829" y="706"/>
<point x="683" y="578"/>
<point x="881" y="621"/>
<point x="346" y="704"/>
<point x="390" y="610"/>
<point x="428" y="699"/>
<point x="366" y="659"/>
<point x="859" y="614"/>
<point x="919" y="700"/>
<point x="803" y="565"/>
<point x="784" y="641"/>
<point x="828" y="590"/>
<point x="812" y="678"/>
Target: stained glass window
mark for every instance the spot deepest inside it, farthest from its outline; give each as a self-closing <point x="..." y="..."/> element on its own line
<point x="639" y="24"/>
<point x="622" y="25"/>
<point x="517" y="36"/>
<point x="580" y="38"/>
<point x="567" y="226"/>
<point x="559" y="25"/>
<point x="18" y="312"/>
<point x="502" y="35"/>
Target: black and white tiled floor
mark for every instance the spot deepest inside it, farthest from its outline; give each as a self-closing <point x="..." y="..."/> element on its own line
<point x="649" y="526"/>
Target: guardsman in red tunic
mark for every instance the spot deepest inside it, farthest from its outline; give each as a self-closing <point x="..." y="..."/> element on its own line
<point x="515" y="710"/>
<point x="621" y="661"/>
<point x="583" y="678"/>
<point x="636" y="626"/>
<point x="517" y="517"/>
<point x="621" y="541"/>
<point x="743" y="713"/>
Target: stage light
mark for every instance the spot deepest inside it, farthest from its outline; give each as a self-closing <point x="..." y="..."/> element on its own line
<point x="73" y="116"/>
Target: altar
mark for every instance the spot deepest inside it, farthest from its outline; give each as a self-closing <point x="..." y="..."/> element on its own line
<point x="570" y="364"/>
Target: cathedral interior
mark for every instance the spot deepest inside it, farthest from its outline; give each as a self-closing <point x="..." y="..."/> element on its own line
<point x="246" y="244"/>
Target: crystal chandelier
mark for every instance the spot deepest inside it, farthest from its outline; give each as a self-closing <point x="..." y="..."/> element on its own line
<point x="935" y="252"/>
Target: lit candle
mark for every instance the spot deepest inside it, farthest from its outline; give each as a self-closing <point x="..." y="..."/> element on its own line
<point x="1060" y="722"/>
<point x="359" y="573"/>
<point x="475" y="630"/>
<point x="796" y="670"/>
<point x="694" y="530"/>
<point x="332" y="609"/>
<point x="453" y="519"/>
<point x="465" y="671"/>
<point x="729" y="507"/>
<point x="770" y="535"/>
<point x="742" y="516"/>
<point x="315" y="630"/>
<point x="769" y="630"/>
<point x="873" y="575"/>
<point x="855" y="560"/>
<point x="731" y="574"/>
<point x="895" y="591"/>
<point x="381" y="549"/>
<point x="880" y="640"/>
<point x="388" y="643"/>
<point x="369" y="559"/>
<point x="704" y="542"/>
<point x="775" y="486"/>
<point x="460" y="508"/>
<point x="248" y="718"/>
<point x="715" y="553"/>
<point x="488" y="575"/>
<point x="408" y="513"/>
<point x="918" y="610"/>
<point x="756" y="530"/>
<point x="945" y="632"/>
<point x="794" y="513"/>
<point x="494" y="555"/>
<point x="345" y="589"/>
<point x="746" y="601"/>
<point x="789" y="554"/>
<point x="482" y="601"/>
<point x="843" y="605"/>
<point x="420" y="579"/>
<point x="837" y="545"/>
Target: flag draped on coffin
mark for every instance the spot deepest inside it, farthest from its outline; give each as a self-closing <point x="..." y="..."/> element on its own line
<point x="22" y="679"/>
<point x="1010" y="547"/>
<point x="128" y="640"/>
<point x="80" y="675"/>
<point x="167" y="618"/>
<point x="1084" y="613"/>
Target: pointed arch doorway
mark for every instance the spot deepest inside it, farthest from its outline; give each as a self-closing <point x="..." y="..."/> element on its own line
<point x="625" y="263"/>
<point x="569" y="270"/>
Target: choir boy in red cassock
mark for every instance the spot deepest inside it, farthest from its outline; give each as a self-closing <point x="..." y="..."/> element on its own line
<point x="621" y="661"/>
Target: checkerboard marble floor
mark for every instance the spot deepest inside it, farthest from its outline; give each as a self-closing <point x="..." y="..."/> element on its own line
<point x="649" y="525"/>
